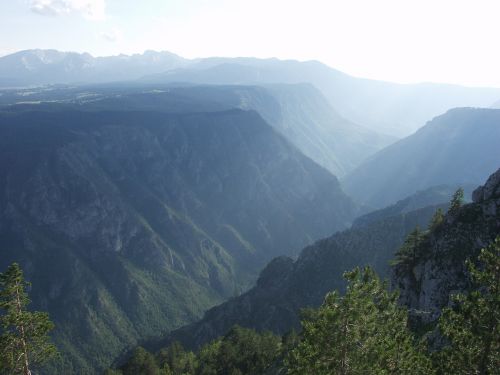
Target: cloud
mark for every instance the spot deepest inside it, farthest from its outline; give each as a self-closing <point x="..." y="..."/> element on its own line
<point x="90" y="9"/>
<point x="113" y="35"/>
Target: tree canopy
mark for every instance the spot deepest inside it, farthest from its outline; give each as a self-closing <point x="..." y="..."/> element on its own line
<point x="24" y="340"/>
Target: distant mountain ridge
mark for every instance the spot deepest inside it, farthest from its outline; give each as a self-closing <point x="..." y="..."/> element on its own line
<point x="393" y="109"/>
<point x="41" y="67"/>
<point x="459" y="147"/>
<point x="389" y="108"/>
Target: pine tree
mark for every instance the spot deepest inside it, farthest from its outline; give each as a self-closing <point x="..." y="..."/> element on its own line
<point x="24" y="340"/>
<point x="437" y="220"/>
<point x="456" y="201"/>
<point x="412" y="248"/>
<point x="472" y="326"/>
<point x="141" y="363"/>
<point x="362" y="332"/>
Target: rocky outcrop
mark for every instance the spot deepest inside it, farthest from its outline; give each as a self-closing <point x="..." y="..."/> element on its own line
<point x="490" y="190"/>
<point x="426" y="284"/>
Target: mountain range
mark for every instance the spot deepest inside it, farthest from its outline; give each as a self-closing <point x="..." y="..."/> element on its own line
<point x="138" y="192"/>
<point x="393" y="109"/>
<point x="42" y="67"/>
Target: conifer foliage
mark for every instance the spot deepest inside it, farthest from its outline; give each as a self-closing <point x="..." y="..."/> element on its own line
<point x="456" y="201"/>
<point x="472" y="326"/>
<point x="24" y="340"/>
<point x="362" y="332"/>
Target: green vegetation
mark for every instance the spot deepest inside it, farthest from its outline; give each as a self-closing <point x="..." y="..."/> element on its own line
<point x="240" y="351"/>
<point x="364" y="331"/>
<point x="472" y="325"/>
<point x="436" y="220"/>
<point x="416" y="245"/>
<point x="456" y="201"/>
<point x="412" y="248"/>
<point x="24" y="340"/>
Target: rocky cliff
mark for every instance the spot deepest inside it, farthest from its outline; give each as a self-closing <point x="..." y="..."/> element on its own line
<point x="427" y="282"/>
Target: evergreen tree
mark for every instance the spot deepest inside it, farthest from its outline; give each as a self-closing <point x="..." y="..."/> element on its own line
<point x="112" y="372"/>
<point x="437" y="220"/>
<point x="363" y="332"/>
<point x="24" y="340"/>
<point x="472" y="326"/>
<point x="176" y="360"/>
<point x="141" y="363"/>
<point x="208" y="358"/>
<point x="240" y="351"/>
<point x="456" y="201"/>
<point x="412" y="248"/>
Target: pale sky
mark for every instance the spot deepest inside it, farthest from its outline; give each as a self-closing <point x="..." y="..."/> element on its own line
<point x="454" y="41"/>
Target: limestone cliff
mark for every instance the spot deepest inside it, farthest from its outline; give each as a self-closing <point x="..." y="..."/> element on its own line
<point x="439" y="270"/>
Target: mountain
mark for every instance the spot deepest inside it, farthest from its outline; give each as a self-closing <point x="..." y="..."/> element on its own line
<point x="132" y="223"/>
<point x="308" y="121"/>
<point x="438" y="268"/>
<point x="299" y="112"/>
<point x="457" y="148"/>
<point x="285" y="286"/>
<point x="41" y="67"/>
<point x="393" y="109"/>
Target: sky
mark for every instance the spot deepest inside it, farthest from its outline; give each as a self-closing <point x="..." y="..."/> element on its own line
<point x="452" y="41"/>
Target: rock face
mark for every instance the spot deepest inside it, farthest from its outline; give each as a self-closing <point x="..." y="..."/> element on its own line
<point x="426" y="284"/>
<point x="130" y="224"/>
<point x="490" y="190"/>
<point x="457" y="148"/>
<point x="286" y="286"/>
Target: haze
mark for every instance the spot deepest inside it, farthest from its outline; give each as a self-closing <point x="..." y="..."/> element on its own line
<point x="396" y="40"/>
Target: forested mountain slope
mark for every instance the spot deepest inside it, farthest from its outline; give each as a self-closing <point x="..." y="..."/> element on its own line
<point x="130" y="224"/>
<point x="286" y="286"/>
